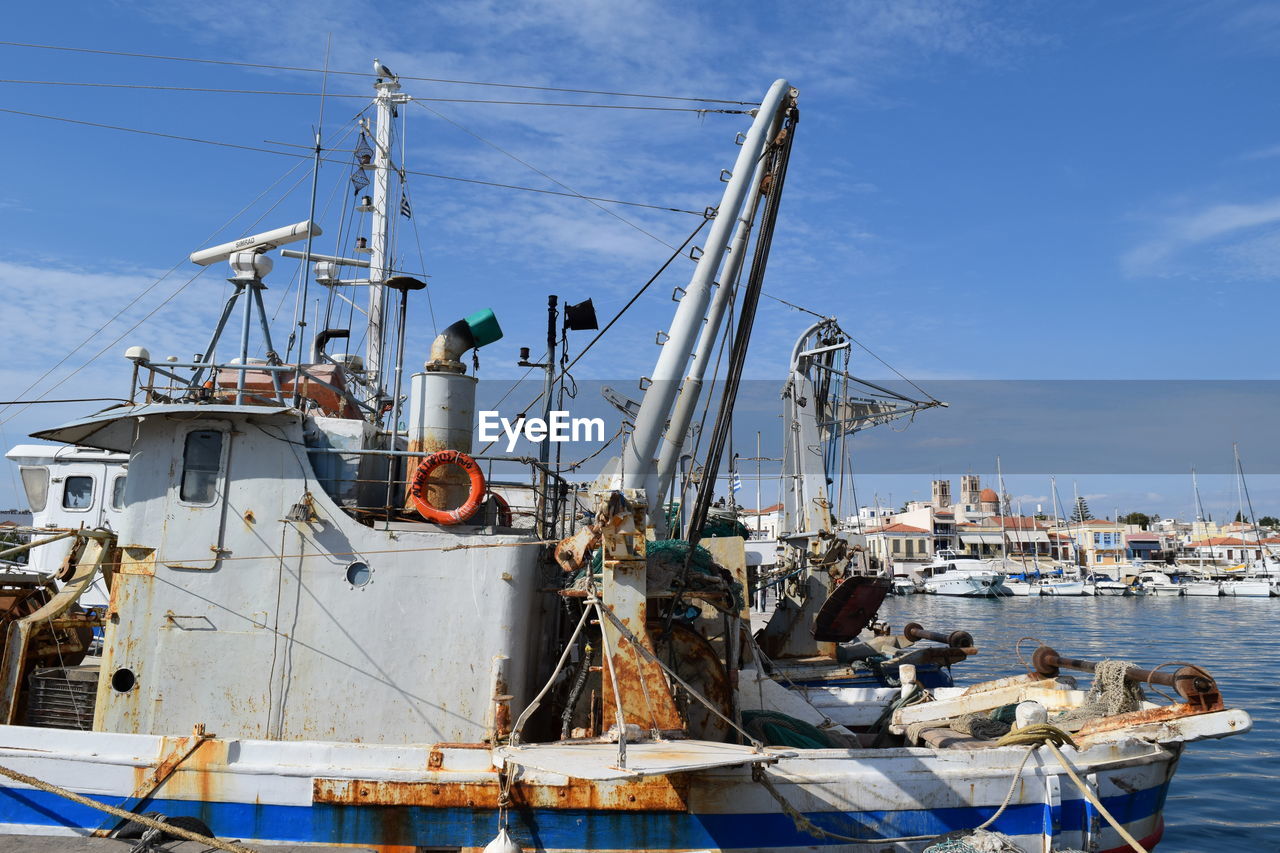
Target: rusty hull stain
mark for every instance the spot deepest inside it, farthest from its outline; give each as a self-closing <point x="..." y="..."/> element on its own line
<point x="1163" y="714"/>
<point x="655" y="793"/>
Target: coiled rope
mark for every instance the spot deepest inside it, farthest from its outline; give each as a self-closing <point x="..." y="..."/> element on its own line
<point x="150" y="823"/>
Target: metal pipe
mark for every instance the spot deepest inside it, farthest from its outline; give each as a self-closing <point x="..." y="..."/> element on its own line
<point x="1189" y="681"/>
<point x="687" y="401"/>
<point x="638" y="454"/>
<point x="244" y="344"/>
<point x="18" y="549"/>
<point x="956" y="639"/>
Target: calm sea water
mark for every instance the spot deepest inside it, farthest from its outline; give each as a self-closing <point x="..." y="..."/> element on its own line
<point x="1226" y="794"/>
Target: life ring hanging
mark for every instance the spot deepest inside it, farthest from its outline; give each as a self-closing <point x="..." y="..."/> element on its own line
<point x="428" y="466"/>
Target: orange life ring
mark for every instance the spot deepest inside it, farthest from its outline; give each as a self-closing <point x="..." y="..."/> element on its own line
<point x="418" y="490"/>
<point x="505" y="518"/>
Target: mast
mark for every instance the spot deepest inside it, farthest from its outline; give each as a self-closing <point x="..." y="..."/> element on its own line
<point x="387" y="86"/>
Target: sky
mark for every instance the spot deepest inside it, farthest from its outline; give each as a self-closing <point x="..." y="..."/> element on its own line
<point x="979" y="191"/>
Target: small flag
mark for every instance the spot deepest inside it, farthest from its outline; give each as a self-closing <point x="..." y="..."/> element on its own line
<point x="736" y="482"/>
<point x="405" y="210"/>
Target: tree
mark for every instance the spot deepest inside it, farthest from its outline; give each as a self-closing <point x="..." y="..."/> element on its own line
<point x="1081" y="512"/>
<point x="1269" y="521"/>
<point x="1139" y="518"/>
<point x="1239" y="516"/>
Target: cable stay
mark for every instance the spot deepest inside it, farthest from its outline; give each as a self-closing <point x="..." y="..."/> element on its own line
<point x="270" y="67"/>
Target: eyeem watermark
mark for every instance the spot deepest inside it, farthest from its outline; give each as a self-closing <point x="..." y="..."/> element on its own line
<point x="558" y="427"/>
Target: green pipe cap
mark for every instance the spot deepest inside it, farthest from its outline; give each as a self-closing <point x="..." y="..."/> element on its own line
<point x="484" y="327"/>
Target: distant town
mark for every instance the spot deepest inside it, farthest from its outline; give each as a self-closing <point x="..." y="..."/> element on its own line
<point x="979" y="521"/>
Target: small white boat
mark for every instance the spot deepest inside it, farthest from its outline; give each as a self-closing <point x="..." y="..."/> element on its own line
<point x="1158" y="583"/>
<point x="960" y="575"/>
<point x="1211" y="589"/>
<point x="1061" y="586"/>
<point x="1018" y="588"/>
<point x="903" y="585"/>
<point x="1247" y="588"/>
<point x="1100" y="583"/>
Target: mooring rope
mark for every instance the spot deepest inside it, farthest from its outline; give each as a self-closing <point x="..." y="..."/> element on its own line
<point x="1043" y="734"/>
<point x="150" y="823"/>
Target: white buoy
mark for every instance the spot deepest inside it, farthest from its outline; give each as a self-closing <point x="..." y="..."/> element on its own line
<point x="1029" y="714"/>
<point x="503" y="844"/>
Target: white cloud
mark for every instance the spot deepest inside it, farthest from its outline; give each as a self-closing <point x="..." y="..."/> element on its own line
<point x="1214" y="226"/>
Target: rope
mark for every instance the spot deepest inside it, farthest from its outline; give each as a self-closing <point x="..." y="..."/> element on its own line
<point x="1044" y="734"/>
<point x="804" y="824"/>
<point x="150" y="823"/>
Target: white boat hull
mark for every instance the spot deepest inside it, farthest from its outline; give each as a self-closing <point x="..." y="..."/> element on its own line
<point x="1211" y="589"/>
<point x="1247" y="589"/>
<point x="975" y="585"/>
<point x="1062" y="588"/>
<point x="431" y="797"/>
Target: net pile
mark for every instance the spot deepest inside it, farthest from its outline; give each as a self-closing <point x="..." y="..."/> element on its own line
<point x="980" y="841"/>
<point x="1110" y="694"/>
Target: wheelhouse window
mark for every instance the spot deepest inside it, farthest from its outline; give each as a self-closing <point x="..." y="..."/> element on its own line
<point x="201" y="461"/>
<point x="35" y="482"/>
<point x="117" y="492"/>
<point x="77" y="493"/>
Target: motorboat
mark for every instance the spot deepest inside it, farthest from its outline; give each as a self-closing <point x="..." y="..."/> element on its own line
<point x="1160" y="584"/>
<point x="966" y="575"/>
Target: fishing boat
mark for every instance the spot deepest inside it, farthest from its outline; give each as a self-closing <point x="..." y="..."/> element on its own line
<point x="325" y="630"/>
<point x="69" y="487"/>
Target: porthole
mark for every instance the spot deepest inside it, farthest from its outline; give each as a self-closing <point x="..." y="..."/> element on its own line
<point x="359" y="574"/>
<point x="123" y="680"/>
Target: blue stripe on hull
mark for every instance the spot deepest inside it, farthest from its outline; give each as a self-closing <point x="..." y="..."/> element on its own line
<point x="569" y="829"/>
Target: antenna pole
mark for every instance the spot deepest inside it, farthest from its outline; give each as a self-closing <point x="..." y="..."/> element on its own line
<point x="386" y="87"/>
<point x="306" y="256"/>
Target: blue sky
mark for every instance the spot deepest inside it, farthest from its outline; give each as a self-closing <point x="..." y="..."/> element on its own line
<point x="978" y="190"/>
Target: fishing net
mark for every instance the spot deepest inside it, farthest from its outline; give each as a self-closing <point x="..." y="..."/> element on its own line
<point x="1110" y="694"/>
<point x="666" y="560"/>
<point x="981" y="726"/>
<point x="980" y="841"/>
<point x="774" y="729"/>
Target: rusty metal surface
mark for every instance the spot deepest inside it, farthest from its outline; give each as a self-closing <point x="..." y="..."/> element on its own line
<point x="641" y="690"/>
<point x="1196" y="686"/>
<point x="850" y="608"/>
<point x="653" y="793"/>
<point x="695" y="660"/>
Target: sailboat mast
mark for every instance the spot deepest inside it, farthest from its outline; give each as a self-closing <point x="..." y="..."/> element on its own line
<point x="387" y="86"/>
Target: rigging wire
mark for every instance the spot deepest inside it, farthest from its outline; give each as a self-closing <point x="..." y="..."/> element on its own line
<point x="266" y="66"/>
<point x="238" y="146"/>
<point x="534" y="168"/>
<point x="286" y="93"/>
<point x="607" y="326"/>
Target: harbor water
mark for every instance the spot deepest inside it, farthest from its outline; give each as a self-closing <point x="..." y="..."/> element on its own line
<point x="1223" y="796"/>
